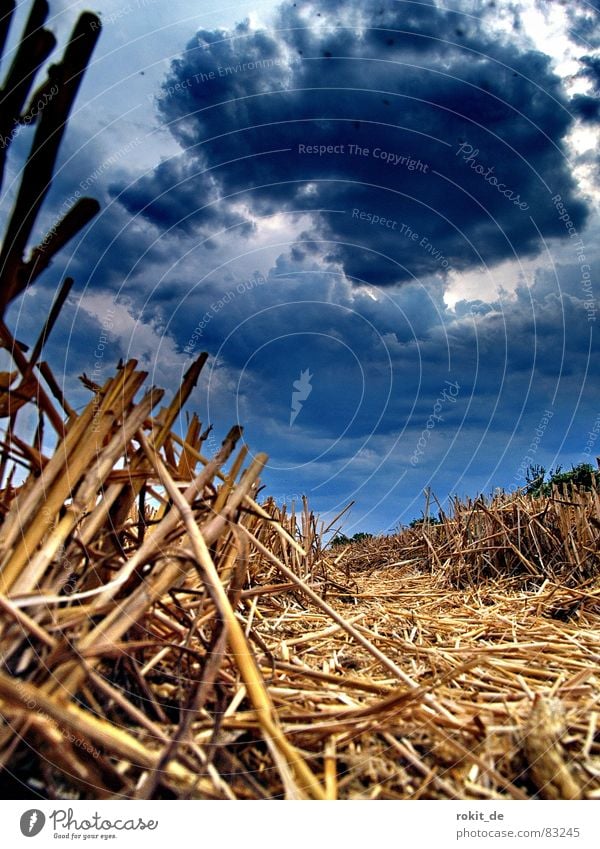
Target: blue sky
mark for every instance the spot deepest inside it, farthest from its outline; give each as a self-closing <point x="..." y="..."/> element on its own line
<point x="379" y="219"/>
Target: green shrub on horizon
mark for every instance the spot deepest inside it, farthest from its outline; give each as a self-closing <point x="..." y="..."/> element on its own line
<point x="342" y="539"/>
<point x="430" y="520"/>
<point x="583" y="476"/>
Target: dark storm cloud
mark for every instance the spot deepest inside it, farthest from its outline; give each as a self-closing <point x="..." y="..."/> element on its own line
<point x="529" y="353"/>
<point x="587" y="106"/>
<point x="419" y="142"/>
<point x="178" y="195"/>
<point x="584" y="18"/>
<point x="379" y="364"/>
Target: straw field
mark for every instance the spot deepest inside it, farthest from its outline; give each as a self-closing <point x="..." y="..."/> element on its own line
<point x="211" y="648"/>
<point x="167" y="633"/>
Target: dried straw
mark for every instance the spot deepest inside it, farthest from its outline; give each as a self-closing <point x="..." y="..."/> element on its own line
<point x="163" y="635"/>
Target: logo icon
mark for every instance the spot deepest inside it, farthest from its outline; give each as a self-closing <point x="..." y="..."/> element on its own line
<point x="302" y="389"/>
<point x="32" y="822"/>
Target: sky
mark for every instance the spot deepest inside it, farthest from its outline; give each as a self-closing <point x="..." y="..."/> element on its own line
<point x="379" y="219"/>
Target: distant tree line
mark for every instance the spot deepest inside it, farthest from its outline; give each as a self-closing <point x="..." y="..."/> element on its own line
<point x="539" y="483"/>
<point x="583" y="476"/>
<point x="342" y="539"/>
